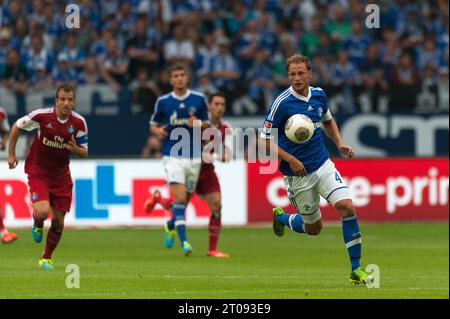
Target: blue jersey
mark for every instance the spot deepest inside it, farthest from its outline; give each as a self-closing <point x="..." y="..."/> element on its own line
<point x="174" y="112"/>
<point x="312" y="153"/>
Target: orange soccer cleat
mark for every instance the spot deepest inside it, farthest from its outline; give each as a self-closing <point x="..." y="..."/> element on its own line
<point x="151" y="201"/>
<point x="218" y="253"/>
<point x="9" y="238"/>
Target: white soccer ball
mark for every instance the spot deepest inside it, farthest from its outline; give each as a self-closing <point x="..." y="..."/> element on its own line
<point x="299" y="128"/>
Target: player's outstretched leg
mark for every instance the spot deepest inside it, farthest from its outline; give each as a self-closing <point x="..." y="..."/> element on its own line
<point x="169" y="233"/>
<point x="353" y="242"/>
<point x="53" y="237"/>
<point x="214" y="202"/>
<point x="37" y="231"/>
<point x="180" y="225"/>
<point x="281" y="219"/>
<point x="156" y="198"/>
<point x="214" y="231"/>
<point x="6" y="236"/>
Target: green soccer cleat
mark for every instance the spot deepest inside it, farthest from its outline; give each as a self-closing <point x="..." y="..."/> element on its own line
<point x="46" y="264"/>
<point x="169" y="237"/>
<point x="278" y="227"/>
<point x="359" y="276"/>
<point x="37" y="233"/>
<point x="186" y="248"/>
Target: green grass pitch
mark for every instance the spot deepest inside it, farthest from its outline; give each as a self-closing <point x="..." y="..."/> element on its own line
<point x="132" y="263"/>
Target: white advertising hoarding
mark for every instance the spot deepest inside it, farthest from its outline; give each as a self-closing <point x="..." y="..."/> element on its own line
<point x="112" y="193"/>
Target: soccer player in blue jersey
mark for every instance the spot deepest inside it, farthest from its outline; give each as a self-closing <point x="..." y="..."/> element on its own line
<point x="308" y="171"/>
<point x="176" y="117"/>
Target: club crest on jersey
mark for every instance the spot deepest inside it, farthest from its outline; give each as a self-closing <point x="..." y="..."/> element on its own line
<point x="34" y="197"/>
<point x="71" y="130"/>
<point x="192" y="109"/>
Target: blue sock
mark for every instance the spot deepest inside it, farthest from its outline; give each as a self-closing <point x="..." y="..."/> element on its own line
<point x="179" y="221"/>
<point x="293" y="221"/>
<point x="352" y="239"/>
<point x="171" y="223"/>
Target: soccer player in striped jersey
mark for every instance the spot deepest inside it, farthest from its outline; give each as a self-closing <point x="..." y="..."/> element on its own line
<point x="308" y="171"/>
<point x="6" y="236"/>
<point x="208" y="186"/>
<point x="60" y="133"/>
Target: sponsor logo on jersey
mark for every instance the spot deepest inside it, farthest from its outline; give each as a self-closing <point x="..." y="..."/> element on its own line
<point x="58" y="142"/>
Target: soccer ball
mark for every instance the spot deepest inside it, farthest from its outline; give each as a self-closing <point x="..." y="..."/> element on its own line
<point x="299" y="128"/>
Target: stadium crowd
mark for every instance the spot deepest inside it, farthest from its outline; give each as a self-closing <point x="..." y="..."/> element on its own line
<point x="238" y="47"/>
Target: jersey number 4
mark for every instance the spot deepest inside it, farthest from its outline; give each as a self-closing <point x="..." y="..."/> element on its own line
<point x="338" y="178"/>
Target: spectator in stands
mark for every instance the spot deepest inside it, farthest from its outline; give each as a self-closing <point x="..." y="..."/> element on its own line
<point x="225" y="70"/>
<point x="126" y="19"/>
<point x="36" y="28"/>
<point x="63" y="72"/>
<point x="145" y="92"/>
<point x="179" y="48"/>
<point x="373" y="76"/>
<point x="356" y="45"/>
<point x="152" y="149"/>
<point x="74" y="53"/>
<point x="5" y="35"/>
<point x="53" y="24"/>
<point x="90" y="74"/>
<point x="443" y="89"/>
<point x="37" y="56"/>
<point x="114" y="66"/>
<point x="347" y="77"/>
<point x="428" y="54"/>
<point x="204" y="83"/>
<point x="405" y="84"/>
<point x="389" y="49"/>
<point x="248" y="44"/>
<point x="310" y="42"/>
<point x="261" y="88"/>
<point x="19" y="34"/>
<point x="99" y="40"/>
<point x="338" y="28"/>
<point x="40" y="78"/>
<point x="15" y="75"/>
<point x="12" y="12"/>
<point x="206" y="53"/>
<point x="140" y="49"/>
<point x="238" y="18"/>
<point x="163" y="82"/>
<point x="321" y="75"/>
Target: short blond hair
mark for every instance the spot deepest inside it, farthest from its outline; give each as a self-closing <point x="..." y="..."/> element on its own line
<point x="298" y="58"/>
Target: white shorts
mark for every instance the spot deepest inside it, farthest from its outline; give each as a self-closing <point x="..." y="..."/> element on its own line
<point x="304" y="192"/>
<point x="183" y="171"/>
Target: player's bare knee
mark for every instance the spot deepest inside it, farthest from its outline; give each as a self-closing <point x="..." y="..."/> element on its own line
<point x="216" y="208"/>
<point x="41" y="210"/>
<point x="313" y="229"/>
<point x="180" y="198"/>
<point x="345" y="208"/>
